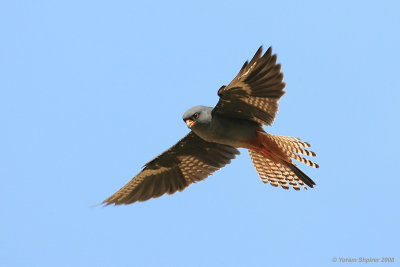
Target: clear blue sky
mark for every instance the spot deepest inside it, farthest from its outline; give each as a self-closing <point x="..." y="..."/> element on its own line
<point x="90" y="91"/>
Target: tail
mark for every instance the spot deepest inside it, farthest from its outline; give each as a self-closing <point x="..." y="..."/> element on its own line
<point x="272" y="158"/>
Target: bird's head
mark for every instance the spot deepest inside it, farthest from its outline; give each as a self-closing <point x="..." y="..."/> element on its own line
<point x="197" y="115"/>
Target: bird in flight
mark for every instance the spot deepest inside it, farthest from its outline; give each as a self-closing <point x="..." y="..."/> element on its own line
<point x="245" y="105"/>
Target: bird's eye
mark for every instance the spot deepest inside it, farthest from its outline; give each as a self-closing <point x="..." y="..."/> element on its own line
<point x="195" y="115"/>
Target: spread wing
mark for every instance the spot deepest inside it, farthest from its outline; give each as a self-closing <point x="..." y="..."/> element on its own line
<point x="254" y="93"/>
<point x="190" y="160"/>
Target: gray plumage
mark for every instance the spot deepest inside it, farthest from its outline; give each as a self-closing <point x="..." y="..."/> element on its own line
<point x="221" y="129"/>
<point x="245" y="105"/>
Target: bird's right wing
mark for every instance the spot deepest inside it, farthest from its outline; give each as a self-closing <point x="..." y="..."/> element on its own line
<point x="190" y="160"/>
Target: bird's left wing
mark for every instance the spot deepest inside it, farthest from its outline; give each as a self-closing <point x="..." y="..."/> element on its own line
<point x="254" y="93"/>
<point x="190" y="160"/>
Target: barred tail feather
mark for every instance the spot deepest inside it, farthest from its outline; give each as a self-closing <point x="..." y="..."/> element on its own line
<point x="302" y="176"/>
<point x="274" y="165"/>
<point x="292" y="147"/>
<point x="283" y="174"/>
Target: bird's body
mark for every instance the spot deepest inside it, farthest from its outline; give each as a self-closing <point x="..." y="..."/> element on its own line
<point x="245" y="105"/>
<point x="221" y="129"/>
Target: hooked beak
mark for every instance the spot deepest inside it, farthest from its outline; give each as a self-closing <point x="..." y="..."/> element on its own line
<point x="190" y="123"/>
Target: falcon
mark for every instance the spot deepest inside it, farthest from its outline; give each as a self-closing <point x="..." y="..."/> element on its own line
<point x="248" y="103"/>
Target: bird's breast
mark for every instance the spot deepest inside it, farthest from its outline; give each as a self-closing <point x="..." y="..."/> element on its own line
<point x="233" y="132"/>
